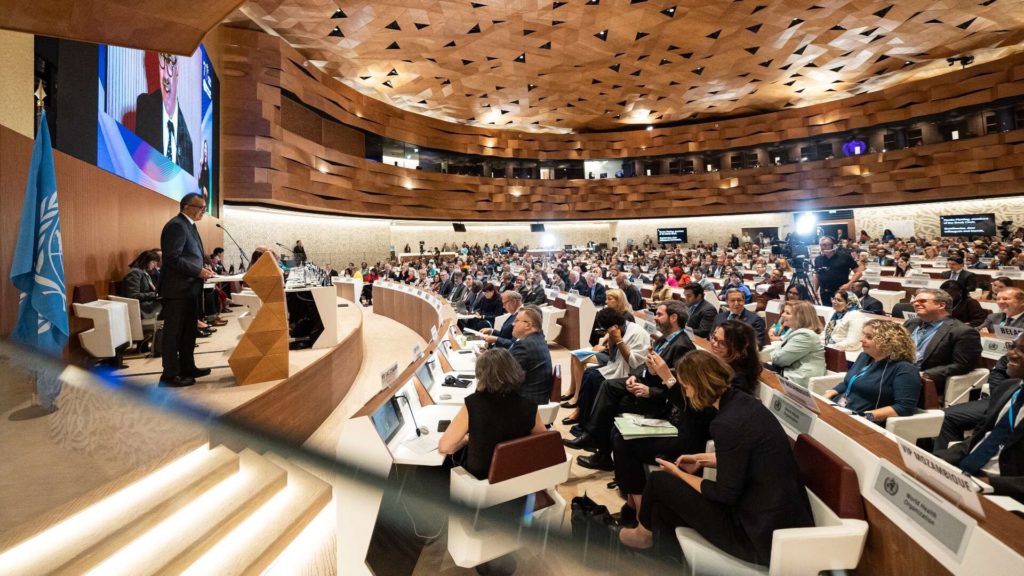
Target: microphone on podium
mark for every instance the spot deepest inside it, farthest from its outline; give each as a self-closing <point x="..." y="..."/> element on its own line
<point x="285" y="247"/>
<point x="244" y="262"/>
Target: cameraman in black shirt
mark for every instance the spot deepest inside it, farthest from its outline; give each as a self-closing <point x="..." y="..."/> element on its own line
<point x="832" y="270"/>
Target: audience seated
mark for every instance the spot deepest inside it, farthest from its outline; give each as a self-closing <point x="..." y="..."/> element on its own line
<point x="641" y="392"/>
<point x="799" y="356"/>
<point x="945" y="346"/>
<point x="702" y="313"/>
<point x="535" y="293"/>
<point x="633" y="295"/>
<point x="884" y="381"/>
<point x="626" y="346"/>
<point x="771" y="289"/>
<point x="1011" y="311"/>
<point x="757" y="489"/>
<point x="868" y="304"/>
<point x="595" y="290"/>
<point x="138" y="283"/>
<point x="965" y="417"/>
<point x="661" y="291"/>
<point x="511" y="301"/>
<point x="494" y="413"/>
<point x="701" y="277"/>
<point x="964" y="308"/>
<point x="734" y="301"/>
<point x="736" y="343"/>
<point x="843" y="330"/>
<point x="531" y="351"/>
<point x="735" y="282"/>
<point x="996" y="449"/>
<point x="965" y="278"/>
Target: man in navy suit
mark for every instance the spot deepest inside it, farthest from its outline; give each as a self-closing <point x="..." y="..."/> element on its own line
<point x="511" y="301"/>
<point x="734" y="300"/>
<point x="531" y="351"/>
<point x="595" y="290"/>
<point x="181" y="287"/>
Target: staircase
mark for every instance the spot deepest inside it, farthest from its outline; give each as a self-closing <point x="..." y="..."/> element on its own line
<point x="211" y="511"/>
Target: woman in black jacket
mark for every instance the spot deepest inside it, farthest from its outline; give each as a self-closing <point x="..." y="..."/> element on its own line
<point x="138" y="283"/>
<point x="757" y="489"/>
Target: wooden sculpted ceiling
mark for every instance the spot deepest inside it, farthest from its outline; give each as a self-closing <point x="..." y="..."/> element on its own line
<point x="582" y="65"/>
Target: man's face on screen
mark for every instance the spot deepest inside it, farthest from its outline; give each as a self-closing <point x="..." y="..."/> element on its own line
<point x="168" y="80"/>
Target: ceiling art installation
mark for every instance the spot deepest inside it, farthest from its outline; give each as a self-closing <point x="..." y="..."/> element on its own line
<point x="590" y="65"/>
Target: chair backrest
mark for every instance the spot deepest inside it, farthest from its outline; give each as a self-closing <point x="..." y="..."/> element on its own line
<point x="556" y="383"/>
<point x="524" y="455"/>
<point x="929" y="399"/>
<point x="114" y="287"/>
<point x="84" y="293"/>
<point x="829" y="477"/>
<point x="835" y="360"/>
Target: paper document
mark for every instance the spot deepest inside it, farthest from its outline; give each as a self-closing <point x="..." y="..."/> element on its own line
<point x="651" y="422"/>
<point x="422" y="444"/>
<point x="630" y="430"/>
<point x="473" y="332"/>
<point x="582" y="355"/>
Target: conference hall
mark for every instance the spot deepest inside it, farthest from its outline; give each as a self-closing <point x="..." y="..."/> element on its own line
<point x="553" y="288"/>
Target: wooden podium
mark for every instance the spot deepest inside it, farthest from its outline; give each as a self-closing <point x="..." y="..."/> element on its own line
<point x="262" y="352"/>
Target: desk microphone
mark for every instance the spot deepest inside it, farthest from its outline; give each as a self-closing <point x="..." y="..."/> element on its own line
<point x="241" y="253"/>
<point x="420" y="431"/>
<point x="285" y="247"/>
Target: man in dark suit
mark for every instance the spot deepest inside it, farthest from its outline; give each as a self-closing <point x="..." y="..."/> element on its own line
<point x="1011" y="314"/>
<point x="531" y="351"/>
<point x="457" y="290"/>
<point x="702" y="313"/>
<point x="882" y="258"/>
<point x="867" y="304"/>
<point x="945" y="346"/>
<point x="511" y="301"/>
<point x="158" y="118"/>
<point x="965" y="278"/>
<point x="969" y="415"/>
<point x="535" y="294"/>
<point x="633" y="295"/>
<point x="181" y="287"/>
<point x="996" y="449"/>
<point x="734" y="300"/>
<point x="444" y="284"/>
<point x="642" y="392"/>
<point x="576" y="283"/>
<point x="595" y="290"/>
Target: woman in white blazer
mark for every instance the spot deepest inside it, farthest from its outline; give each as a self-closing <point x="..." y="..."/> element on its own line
<point x="800" y="355"/>
<point x="843" y="331"/>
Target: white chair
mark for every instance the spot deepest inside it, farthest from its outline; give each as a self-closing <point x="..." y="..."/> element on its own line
<point x="500" y="321"/>
<point x="957" y="387"/>
<point x="836" y="541"/>
<point x="990" y="306"/>
<point x="552" y="329"/>
<point x="252" y="302"/>
<point x="548" y="412"/>
<point x="752" y="306"/>
<point x="533" y="465"/>
<point x="111" y="330"/>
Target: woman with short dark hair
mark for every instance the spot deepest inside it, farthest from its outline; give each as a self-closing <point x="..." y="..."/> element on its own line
<point x="493" y="414"/>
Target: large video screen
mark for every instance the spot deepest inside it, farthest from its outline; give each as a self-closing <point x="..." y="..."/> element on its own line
<point x="156" y="120"/>
<point x="968" y="225"/>
<point x="672" y="235"/>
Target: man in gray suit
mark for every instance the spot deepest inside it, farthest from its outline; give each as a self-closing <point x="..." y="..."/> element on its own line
<point x="1011" y="314"/>
<point x="181" y="287"/>
<point x="945" y="346"/>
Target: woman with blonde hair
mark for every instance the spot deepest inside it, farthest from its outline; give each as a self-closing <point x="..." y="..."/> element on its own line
<point x="739" y="511"/>
<point x="800" y="355"/>
<point x="884" y="381"/>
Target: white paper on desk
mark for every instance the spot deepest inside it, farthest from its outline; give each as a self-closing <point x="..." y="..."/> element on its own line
<point x="582" y="355"/>
<point x="474" y="332"/>
<point x="466" y="316"/>
<point x="639" y="420"/>
<point x="421" y="445"/>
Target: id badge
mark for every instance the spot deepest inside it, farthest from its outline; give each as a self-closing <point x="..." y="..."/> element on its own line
<point x="843" y="401"/>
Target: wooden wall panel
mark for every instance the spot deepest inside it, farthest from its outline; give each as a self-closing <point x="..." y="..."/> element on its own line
<point x="265" y="163"/>
<point x="270" y="63"/>
<point x="105" y="221"/>
<point x="175" y="26"/>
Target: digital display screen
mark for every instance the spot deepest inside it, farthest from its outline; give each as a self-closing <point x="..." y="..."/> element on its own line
<point x="672" y="235"/>
<point x="387" y="420"/>
<point x="425" y="375"/>
<point x="155" y="121"/>
<point x="968" y="225"/>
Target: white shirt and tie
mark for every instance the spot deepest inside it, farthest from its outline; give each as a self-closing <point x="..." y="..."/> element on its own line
<point x="170" y="132"/>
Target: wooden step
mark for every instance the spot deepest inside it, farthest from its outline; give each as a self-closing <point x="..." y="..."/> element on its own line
<point x="81" y="540"/>
<point x="174" y="544"/>
<point x="255" y="542"/>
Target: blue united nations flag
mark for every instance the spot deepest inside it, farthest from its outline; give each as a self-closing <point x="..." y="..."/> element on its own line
<point x="38" y="267"/>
